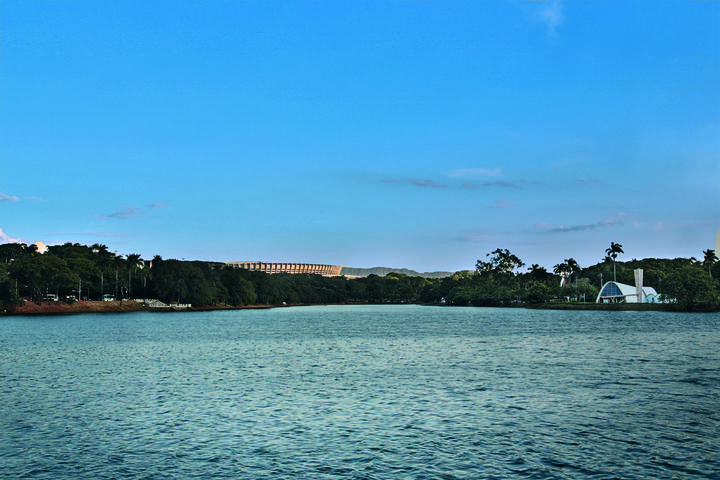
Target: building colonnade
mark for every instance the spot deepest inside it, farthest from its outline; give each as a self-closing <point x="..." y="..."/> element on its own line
<point x="284" y="267"/>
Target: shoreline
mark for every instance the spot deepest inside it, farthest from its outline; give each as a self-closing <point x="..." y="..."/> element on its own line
<point x="58" y="308"/>
<point x="51" y="308"/>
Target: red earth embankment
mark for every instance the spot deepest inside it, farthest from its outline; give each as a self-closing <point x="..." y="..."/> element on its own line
<point x="54" y="308"/>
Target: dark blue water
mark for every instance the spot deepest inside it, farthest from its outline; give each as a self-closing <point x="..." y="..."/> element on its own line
<point x="367" y="392"/>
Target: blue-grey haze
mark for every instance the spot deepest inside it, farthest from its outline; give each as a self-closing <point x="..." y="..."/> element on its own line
<point x="361" y="392"/>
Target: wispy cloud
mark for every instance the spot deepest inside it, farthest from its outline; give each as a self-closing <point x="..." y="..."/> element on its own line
<point x="426" y="183"/>
<point x="4" y="197"/>
<point x="86" y="234"/>
<point x="501" y="183"/>
<point x="154" y="205"/>
<point x="4" y="238"/>
<point x="503" y="204"/>
<point x="472" y="237"/>
<point x="551" y="15"/>
<point x="127" y="212"/>
<point x="579" y="228"/>
<point x="475" y="172"/>
<point x="571" y="161"/>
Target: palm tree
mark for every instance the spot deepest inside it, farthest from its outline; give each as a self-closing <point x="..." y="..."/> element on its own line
<point x="612" y="252"/>
<point x="562" y="269"/>
<point x="133" y="262"/>
<point x="117" y="262"/>
<point x="572" y="266"/>
<point x="145" y="275"/>
<point x="710" y="258"/>
<point x="103" y="259"/>
<point x="538" y="273"/>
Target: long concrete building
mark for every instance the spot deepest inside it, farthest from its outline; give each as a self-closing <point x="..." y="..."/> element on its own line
<point x="272" y="267"/>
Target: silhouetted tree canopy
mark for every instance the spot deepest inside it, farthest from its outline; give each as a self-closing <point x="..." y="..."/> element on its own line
<point x="496" y="281"/>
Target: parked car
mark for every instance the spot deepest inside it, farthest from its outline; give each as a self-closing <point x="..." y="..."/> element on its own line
<point x="108" y="298"/>
<point x="51" y="297"/>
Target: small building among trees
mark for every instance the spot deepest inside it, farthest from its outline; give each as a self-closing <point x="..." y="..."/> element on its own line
<point x="616" y="292"/>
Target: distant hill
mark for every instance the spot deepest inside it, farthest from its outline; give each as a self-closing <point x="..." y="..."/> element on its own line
<point x="382" y="271"/>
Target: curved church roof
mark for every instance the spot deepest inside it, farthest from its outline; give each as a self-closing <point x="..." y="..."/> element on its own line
<point x="620" y="291"/>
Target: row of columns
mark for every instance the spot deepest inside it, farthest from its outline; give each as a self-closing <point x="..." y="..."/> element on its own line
<point x="327" y="270"/>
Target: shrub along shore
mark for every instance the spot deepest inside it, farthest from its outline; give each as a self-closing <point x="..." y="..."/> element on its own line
<point x="76" y="274"/>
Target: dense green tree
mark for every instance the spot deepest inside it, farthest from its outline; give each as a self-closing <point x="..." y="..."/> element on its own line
<point x="84" y="269"/>
<point x="239" y="291"/>
<point x="537" y="293"/>
<point x="103" y="261"/>
<point x="11" y="251"/>
<point x="43" y="274"/>
<point x="502" y="261"/>
<point x="538" y="273"/>
<point x="8" y="288"/>
<point x="691" y="289"/>
<point x="181" y="289"/>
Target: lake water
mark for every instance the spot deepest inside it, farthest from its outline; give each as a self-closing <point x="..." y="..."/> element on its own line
<point x="361" y="392"/>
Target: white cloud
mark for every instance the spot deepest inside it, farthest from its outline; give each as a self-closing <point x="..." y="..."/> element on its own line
<point x="6" y="239"/>
<point x="551" y="15"/>
<point x="4" y="197"/>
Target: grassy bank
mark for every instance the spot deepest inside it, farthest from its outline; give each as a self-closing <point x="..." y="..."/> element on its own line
<point x="613" y="307"/>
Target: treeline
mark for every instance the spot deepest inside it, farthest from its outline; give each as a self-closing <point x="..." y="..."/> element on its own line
<point x="75" y="271"/>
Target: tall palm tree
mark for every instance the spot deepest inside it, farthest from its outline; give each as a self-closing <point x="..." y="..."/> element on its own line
<point x="117" y="262"/>
<point x="572" y="267"/>
<point x="709" y="260"/>
<point x="145" y="275"/>
<point x="133" y="262"/>
<point x="612" y="252"/>
<point x="103" y="260"/>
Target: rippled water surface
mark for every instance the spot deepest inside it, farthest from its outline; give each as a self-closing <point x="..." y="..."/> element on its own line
<point x="361" y="392"/>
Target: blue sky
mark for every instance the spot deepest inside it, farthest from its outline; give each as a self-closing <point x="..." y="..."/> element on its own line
<point x="418" y="134"/>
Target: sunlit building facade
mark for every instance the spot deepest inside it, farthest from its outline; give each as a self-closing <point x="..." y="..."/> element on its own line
<point x="283" y="267"/>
